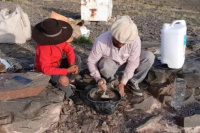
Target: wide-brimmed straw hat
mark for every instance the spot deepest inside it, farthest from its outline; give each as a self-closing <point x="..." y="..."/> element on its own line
<point x="51" y="32"/>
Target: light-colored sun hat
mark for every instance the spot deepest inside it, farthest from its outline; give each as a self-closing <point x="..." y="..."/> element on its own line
<point x="124" y="30"/>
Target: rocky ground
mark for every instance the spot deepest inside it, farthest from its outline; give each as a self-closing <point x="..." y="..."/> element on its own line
<point x="133" y="114"/>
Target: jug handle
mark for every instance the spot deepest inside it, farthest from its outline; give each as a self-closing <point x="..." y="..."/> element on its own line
<point x="178" y="21"/>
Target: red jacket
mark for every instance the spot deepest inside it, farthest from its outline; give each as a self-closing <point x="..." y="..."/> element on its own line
<point x="48" y="58"/>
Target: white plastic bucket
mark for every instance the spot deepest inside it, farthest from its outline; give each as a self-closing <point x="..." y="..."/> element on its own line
<point x="173" y="43"/>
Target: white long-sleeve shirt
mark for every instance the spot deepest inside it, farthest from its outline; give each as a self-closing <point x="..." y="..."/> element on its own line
<point x="103" y="47"/>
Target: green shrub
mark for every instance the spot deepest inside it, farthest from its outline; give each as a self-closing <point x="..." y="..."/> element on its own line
<point x="82" y="40"/>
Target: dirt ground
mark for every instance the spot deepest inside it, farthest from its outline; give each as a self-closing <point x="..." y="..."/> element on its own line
<point x="149" y="15"/>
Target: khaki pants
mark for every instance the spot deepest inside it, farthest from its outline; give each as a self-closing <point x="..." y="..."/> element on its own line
<point x="109" y="68"/>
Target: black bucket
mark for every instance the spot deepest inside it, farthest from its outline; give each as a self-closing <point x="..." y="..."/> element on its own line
<point x="104" y="106"/>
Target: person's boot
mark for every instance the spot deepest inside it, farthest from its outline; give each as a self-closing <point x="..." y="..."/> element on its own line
<point x="76" y="99"/>
<point x="71" y="95"/>
<point x="134" y="88"/>
<point x="68" y="91"/>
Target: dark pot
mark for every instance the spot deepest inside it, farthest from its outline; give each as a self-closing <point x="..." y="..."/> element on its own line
<point x="104" y="106"/>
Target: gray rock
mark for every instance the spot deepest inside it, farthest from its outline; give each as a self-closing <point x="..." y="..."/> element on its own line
<point x="190" y="99"/>
<point x="191" y="71"/>
<point x="13" y="106"/>
<point x="89" y="126"/>
<point x="195" y="47"/>
<point x="157" y="76"/>
<point x="191" y="65"/>
<point x="6" y="118"/>
<point x="151" y="120"/>
<point x="54" y="96"/>
<point x="47" y="118"/>
<point x="189" y="110"/>
<point x="192" y="79"/>
<point x="32" y="109"/>
<point x="190" y="121"/>
<point x="165" y="100"/>
<point x="14" y="89"/>
<point x="146" y="104"/>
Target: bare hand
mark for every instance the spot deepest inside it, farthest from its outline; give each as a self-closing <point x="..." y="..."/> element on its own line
<point x="102" y="84"/>
<point x="73" y="69"/>
<point x="76" y="69"/>
<point x="121" y="89"/>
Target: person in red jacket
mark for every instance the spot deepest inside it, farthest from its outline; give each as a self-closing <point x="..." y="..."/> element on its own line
<point x="51" y="36"/>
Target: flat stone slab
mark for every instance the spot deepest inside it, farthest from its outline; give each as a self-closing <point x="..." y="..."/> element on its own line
<point x="12" y="89"/>
<point x="153" y="119"/>
<point x="47" y="118"/>
<point x="146" y="104"/>
<point x="190" y="121"/>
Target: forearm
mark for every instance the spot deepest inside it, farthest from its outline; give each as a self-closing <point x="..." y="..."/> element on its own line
<point x="54" y="71"/>
<point x="94" y="72"/>
<point x="71" y="64"/>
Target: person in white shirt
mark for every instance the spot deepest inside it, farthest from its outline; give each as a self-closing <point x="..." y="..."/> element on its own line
<point x="119" y="50"/>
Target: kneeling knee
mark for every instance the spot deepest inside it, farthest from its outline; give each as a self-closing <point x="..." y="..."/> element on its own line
<point x="151" y="57"/>
<point x="64" y="81"/>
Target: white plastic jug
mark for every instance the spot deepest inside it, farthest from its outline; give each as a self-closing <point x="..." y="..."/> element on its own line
<point x="173" y="43"/>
